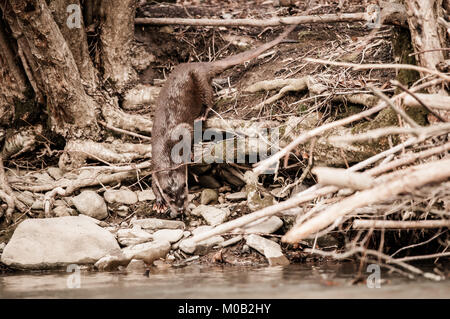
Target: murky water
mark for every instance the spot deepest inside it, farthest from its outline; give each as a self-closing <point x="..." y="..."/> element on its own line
<point x="295" y="281"/>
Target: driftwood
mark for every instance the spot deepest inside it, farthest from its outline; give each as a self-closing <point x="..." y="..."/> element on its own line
<point x="427" y="173"/>
<point x="399" y="224"/>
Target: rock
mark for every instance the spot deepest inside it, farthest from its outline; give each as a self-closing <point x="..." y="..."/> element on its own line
<point x="256" y="200"/>
<point x="231" y="241"/>
<point x="121" y="196"/>
<point x="266" y="226"/>
<point x="53" y="242"/>
<point x="208" y="181"/>
<point x="61" y="211"/>
<point x="91" y="204"/>
<point x="122" y="211"/>
<point x="112" y="262"/>
<point x="134" y="236"/>
<point x="136" y="265"/>
<point x="324" y="241"/>
<point x="146" y="195"/>
<point x="245" y="249"/>
<point x="154" y="223"/>
<point x="148" y="252"/>
<point x="213" y="216"/>
<point x="271" y="250"/>
<point x="38" y="204"/>
<point x="55" y="172"/>
<point x="221" y="199"/>
<point x="170" y="235"/>
<point x="278" y="192"/>
<point x="2" y="246"/>
<point x="202" y="247"/>
<point x="236" y="196"/>
<point x="209" y="196"/>
<point x="161" y="265"/>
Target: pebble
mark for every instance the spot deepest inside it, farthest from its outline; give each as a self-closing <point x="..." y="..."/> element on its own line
<point x="213" y="216"/>
<point x="146" y="195"/>
<point x="134" y="236"/>
<point x="111" y="262"/>
<point x="170" y="235"/>
<point x="136" y="265"/>
<point x="155" y="223"/>
<point x="122" y="211"/>
<point x="122" y="196"/>
<point x="148" y="252"/>
<point x="270" y="249"/>
<point x="91" y="204"/>
<point x="61" y="211"/>
<point x="209" y="196"/>
<point x="203" y="247"/>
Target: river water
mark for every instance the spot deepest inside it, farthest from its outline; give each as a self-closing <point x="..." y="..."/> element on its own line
<point x="194" y="281"/>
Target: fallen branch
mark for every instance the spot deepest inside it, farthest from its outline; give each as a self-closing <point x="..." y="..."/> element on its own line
<point x="394" y="224"/>
<point x="326" y="18"/>
<point x="427" y="173"/>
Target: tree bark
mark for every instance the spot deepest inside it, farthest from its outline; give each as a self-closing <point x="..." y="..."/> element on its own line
<point x="71" y="110"/>
<point x="117" y="37"/>
<point x="76" y="39"/>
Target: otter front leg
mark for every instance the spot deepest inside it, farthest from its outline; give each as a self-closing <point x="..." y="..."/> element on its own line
<point x="159" y="206"/>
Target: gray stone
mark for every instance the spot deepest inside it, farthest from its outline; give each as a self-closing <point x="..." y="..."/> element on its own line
<point x="61" y="211"/>
<point x="134" y="236"/>
<point x="213" y="216"/>
<point x="112" y="262"/>
<point x="53" y="242"/>
<point x="209" y="196"/>
<point x="236" y="196"/>
<point x="266" y="226"/>
<point x="155" y="223"/>
<point x="136" y="265"/>
<point x="203" y="247"/>
<point x="91" y="204"/>
<point x="122" y="211"/>
<point x="146" y="195"/>
<point x="170" y="235"/>
<point x="148" y="252"/>
<point x="55" y="172"/>
<point x="121" y="196"/>
<point x="270" y="249"/>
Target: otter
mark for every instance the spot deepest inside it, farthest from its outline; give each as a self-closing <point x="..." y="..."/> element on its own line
<point x="181" y="101"/>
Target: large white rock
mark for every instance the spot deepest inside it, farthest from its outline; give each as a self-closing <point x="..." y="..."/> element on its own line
<point x="53" y="242"/>
<point x="203" y="247"/>
<point x="213" y="216"/>
<point x="264" y="226"/>
<point x="170" y="235"/>
<point x="134" y="236"/>
<point x="91" y="204"/>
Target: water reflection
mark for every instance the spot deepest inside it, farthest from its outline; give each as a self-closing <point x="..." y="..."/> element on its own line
<point x="295" y="281"/>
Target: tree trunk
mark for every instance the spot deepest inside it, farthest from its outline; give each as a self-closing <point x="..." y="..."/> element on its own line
<point x="71" y="110"/>
<point x="428" y="37"/>
<point x="117" y="38"/>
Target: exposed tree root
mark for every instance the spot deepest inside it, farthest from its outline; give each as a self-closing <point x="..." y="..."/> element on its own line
<point x="77" y="152"/>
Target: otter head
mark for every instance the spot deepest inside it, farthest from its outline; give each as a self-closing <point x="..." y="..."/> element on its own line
<point x="172" y="185"/>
